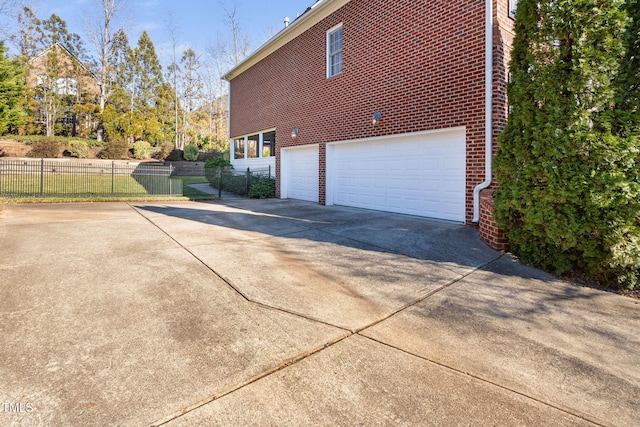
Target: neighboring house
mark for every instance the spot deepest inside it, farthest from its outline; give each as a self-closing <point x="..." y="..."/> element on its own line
<point x="58" y="71"/>
<point x="378" y="104"/>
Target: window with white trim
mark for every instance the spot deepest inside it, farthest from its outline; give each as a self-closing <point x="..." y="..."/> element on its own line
<point x="334" y="51"/>
<point x="261" y="144"/>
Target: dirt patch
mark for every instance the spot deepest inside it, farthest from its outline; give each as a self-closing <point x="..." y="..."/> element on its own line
<point x="12" y="148"/>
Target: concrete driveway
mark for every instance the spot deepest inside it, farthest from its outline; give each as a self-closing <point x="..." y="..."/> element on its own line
<point x="277" y="312"/>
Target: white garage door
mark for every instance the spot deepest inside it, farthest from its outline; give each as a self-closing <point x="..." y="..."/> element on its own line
<point x="416" y="174"/>
<point x="299" y="177"/>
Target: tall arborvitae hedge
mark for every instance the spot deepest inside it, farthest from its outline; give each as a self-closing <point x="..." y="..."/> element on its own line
<point x="11" y="92"/>
<point x="568" y="163"/>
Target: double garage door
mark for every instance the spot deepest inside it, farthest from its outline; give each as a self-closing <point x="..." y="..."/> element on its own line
<point x="417" y="174"/>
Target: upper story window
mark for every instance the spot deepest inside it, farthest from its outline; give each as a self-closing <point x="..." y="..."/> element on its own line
<point x="59" y="86"/>
<point x="334" y="51"/>
<point x="512" y="8"/>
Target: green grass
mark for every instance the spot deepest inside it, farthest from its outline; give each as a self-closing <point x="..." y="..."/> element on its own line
<point x="57" y="188"/>
<point x="99" y="185"/>
<point x="192" y="193"/>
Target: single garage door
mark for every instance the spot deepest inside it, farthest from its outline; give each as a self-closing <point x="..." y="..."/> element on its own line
<point x="299" y="176"/>
<point x="417" y="174"/>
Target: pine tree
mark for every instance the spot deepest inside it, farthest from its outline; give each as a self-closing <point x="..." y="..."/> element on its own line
<point x="11" y="92"/>
<point x="568" y="196"/>
<point x="148" y="79"/>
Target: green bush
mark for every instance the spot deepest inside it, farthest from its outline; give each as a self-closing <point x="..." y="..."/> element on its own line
<point x="262" y="187"/>
<point x="218" y="162"/>
<point x="212" y="169"/>
<point x="78" y="148"/>
<point x="191" y="152"/>
<point x="166" y="148"/>
<point x="141" y="150"/>
<point x="114" y="150"/>
<point x="45" y="148"/>
<point x="569" y="183"/>
<point x="174" y="156"/>
<point x="235" y="184"/>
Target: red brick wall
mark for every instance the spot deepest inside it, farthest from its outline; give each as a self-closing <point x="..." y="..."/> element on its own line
<point x="419" y="62"/>
<point x="489" y="231"/>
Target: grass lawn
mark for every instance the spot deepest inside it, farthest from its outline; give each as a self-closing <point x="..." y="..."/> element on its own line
<point x="98" y="188"/>
<point x="191" y="192"/>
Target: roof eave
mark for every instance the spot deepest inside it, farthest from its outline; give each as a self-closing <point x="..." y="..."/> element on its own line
<point x="307" y="20"/>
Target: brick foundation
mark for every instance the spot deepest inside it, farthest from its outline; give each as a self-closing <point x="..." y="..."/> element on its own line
<point x="489" y="231"/>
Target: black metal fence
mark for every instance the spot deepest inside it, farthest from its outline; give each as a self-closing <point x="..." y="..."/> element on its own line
<point x="61" y="178"/>
<point x="241" y="182"/>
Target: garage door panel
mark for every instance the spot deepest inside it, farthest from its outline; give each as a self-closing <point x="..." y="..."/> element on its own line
<point x="300" y="170"/>
<point x="413" y="174"/>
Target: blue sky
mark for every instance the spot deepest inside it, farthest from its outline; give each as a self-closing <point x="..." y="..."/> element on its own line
<point x="198" y="23"/>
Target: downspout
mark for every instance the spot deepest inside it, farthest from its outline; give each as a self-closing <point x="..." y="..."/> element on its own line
<point x="488" y="116"/>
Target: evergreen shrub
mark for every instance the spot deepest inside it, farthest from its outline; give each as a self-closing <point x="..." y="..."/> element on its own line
<point x="262" y="187"/>
<point x="45" y="148"/>
<point x="141" y="150"/>
<point x="115" y="149"/>
<point x="78" y="148"/>
<point x="191" y="152"/>
<point x="164" y="151"/>
<point x="568" y="175"/>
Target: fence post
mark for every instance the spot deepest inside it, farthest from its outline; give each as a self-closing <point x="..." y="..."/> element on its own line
<point x="113" y="177"/>
<point x="248" y="179"/>
<point x="269" y="171"/>
<point x="170" y="180"/>
<point x="220" y="182"/>
<point x="41" y="177"/>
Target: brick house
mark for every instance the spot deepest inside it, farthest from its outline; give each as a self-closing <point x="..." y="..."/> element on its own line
<point x="390" y="105"/>
<point x="57" y="70"/>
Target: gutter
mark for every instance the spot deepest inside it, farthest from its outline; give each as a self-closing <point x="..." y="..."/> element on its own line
<point x="488" y="118"/>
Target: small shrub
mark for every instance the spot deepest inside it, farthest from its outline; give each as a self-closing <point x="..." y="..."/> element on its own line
<point x="78" y="148"/>
<point x="236" y="184"/>
<point x="174" y="156"/>
<point x="218" y="162"/>
<point x="114" y="150"/>
<point x="141" y="150"/>
<point x="212" y="169"/>
<point x="204" y="156"/>
<point x="164" y="151"/>
<point x="262" y="187"/>
<point x="191" y="153"/>
<point x="45" y="148"/>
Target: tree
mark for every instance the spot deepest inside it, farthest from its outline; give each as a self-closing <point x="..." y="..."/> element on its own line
<point x="28" y="37"/>
<point x="569" y="192"/>
<point x="239" y="45"/>
<point x="11" y="92"/>
<point x="53" y="90"/>
<point x="103" y="38"/>
<point x="191" y="88"/>
<point x="148" y="73"/>
<point x="138" y="107"/>
<point x="6" y="5"/>
<point x="173" y="71"/>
